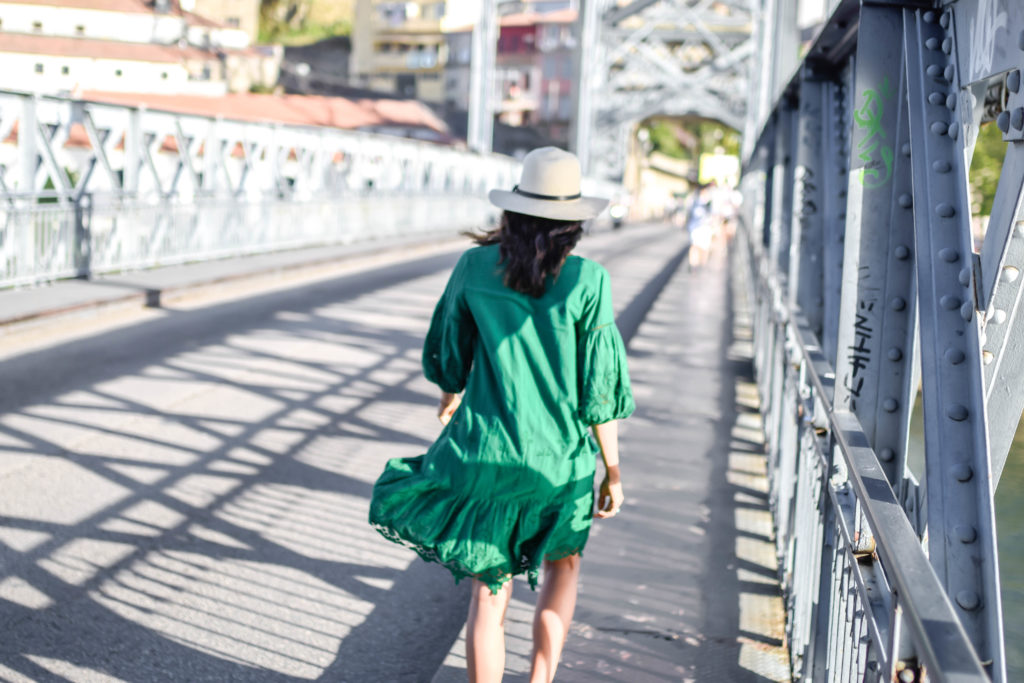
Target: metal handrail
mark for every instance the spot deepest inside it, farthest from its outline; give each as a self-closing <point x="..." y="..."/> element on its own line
<point x="940" y="641"/>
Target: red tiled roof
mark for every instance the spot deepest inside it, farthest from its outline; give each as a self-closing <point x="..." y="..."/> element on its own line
<point x="134" y="6"/>
<point x="307" y="110"/>
<point x="128" y="6"/>
<point x="98" y="49"/>
<point x="562" y="16"/>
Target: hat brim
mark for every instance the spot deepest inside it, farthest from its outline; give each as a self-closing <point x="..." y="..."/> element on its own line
<point x="560" y="210"/>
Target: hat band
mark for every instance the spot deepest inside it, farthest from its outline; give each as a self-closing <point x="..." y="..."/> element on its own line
<point x="549" y="197"/>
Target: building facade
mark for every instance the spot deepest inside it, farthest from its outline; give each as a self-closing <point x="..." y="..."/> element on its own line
<point x="401" y="47"/>
<point x="239" y="15"/>
<point x="535" y="71"/>
<point x="65" y="46"/>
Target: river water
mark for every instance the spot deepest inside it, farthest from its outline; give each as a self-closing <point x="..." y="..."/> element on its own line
<point x="1010" y="528"/>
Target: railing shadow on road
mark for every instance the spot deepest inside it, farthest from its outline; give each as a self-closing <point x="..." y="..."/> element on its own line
<point x="744" y="620"/>
<point x="203" y="516"/>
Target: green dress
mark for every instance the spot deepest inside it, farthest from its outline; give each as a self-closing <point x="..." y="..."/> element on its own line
<point x="510" y="480"/>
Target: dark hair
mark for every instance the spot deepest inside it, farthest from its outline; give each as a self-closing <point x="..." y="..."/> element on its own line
<point x="531" y="248"/>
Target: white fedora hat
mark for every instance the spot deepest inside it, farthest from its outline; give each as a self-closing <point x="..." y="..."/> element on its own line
<point x="549" y="187"/>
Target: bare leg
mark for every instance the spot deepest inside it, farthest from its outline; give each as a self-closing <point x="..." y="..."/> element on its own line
<point x="553" y="615"/>
<point x="485" y="633"/>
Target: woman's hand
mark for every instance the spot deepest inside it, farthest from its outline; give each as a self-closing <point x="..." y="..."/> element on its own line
<point x="449" y="402"/>
<point x="610" y="497"/>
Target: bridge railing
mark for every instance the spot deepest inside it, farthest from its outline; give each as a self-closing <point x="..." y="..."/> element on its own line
<point x="887" y="329"/>
<point x="89" y="188"/>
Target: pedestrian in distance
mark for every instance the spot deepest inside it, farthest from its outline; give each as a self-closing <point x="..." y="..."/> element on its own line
<point x="700" y="227"/>
<point x="525" y="330"/>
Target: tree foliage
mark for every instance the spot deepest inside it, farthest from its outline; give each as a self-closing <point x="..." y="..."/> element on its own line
<point x="986" y="166"/>
<point x="300" y="22"/>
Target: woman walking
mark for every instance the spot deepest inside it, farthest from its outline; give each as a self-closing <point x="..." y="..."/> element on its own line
<point x="527" y="331"/>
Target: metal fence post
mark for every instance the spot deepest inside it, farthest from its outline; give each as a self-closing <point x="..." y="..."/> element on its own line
<point x="83" y="236"/>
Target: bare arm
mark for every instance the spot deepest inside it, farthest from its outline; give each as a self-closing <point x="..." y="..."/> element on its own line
<point x="610" y="497"/>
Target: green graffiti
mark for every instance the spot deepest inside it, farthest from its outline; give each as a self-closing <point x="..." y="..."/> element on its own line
<point x="873" y="150"/>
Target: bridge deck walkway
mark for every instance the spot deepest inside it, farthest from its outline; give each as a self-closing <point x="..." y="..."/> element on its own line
<point x="183" y="495"/>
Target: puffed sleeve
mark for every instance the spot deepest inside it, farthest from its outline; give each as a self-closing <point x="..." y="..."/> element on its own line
<point x="448" y="348"/>
<point x="604" y="392"/>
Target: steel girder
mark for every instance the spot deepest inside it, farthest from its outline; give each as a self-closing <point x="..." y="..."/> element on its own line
<point x="669" y="57"/>
<point x="885" y="132"/>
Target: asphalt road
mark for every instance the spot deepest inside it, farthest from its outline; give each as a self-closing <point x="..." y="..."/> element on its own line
<point x="183" y="498"/>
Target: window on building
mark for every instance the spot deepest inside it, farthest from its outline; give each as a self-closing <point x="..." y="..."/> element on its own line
<point x="64" y="70"/>
<point x="80" y="30"/>
<point x="37" y="26"/>
<point x="39" y="68"/>
<point x="233" y="22"/>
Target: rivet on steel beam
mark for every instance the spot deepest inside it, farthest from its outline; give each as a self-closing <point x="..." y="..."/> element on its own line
<point x="950" y="303"/>
<point x="1017" y="118"/>
<point x="947" y="45"/>
<point x="902" y="252"/>
<point x="954" y="131"/>
<point x="932" y="44"/>
<point x="948" y="73"/>
<point x="1013" y="81"/>
<point x="944" y="20"/>
<point x="987" y="357"/>
<point x="1003" y="121"/>
<point x="942" y="166"/>
<point x="954" y="356"/>
<point x="935" y="71"/>
<point x="951" y="102"/>
<point x="967" y="311"/>
<point x="964" y="276"/>
<point x="905" y="149"/>
<point x="966" y="533"/>
<point x="937" y="98"/>
<point x="886" y="455"/>
<point x="940" y="128"/>
<point x="968" y="600"/>
<point x="906" y="201"/>
<point x="962" y="472"/>
<point x="1018" y="229"/>
<point x="907" y="676"/>
<point x="890" y="405"/>
<point x="930" y="17"/>
<point x="949" y="255"/>
<point x="898" y="303"/>
<point x="945" y="210"/>
<point x="957" y="412"/>
<point x="998" y="317"/>
<point x="895" y="354"/>
<point x="1010" y="274"/>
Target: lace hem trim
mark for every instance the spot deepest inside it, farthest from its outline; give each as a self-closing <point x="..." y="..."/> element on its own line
<point x="493" y="578"/>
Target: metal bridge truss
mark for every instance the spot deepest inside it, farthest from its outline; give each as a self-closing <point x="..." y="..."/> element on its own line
<point x="658" y="57"/>
<point x="91" y="188"/>
<point x="879" y="321"/>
